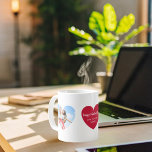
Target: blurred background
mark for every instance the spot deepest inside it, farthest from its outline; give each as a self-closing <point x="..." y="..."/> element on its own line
<point x="38" y="30"/>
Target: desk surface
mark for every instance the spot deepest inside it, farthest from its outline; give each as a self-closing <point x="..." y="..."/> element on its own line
<point x="26" y="129"/>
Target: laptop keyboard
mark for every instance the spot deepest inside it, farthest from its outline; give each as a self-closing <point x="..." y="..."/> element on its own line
<point x="116" y="112"/>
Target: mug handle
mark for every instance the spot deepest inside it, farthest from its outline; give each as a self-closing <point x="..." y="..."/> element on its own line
<point x="51" y="113"/>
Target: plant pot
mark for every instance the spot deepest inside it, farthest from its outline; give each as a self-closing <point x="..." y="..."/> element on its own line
<point x="104" y="80"/>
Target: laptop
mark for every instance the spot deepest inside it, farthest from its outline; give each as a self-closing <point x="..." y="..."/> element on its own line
<point x="129" y="96"/>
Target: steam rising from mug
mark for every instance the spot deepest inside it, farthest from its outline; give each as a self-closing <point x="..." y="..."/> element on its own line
<point x="84" y="70"/>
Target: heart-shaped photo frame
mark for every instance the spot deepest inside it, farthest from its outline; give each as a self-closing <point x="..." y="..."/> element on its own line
<point x="90" y="116"/>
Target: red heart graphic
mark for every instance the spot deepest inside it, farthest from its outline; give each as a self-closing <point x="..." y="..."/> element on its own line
<point x="90" y="116"/>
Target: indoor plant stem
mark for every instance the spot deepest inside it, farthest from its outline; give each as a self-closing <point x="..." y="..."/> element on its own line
<point x="108" y="65"/>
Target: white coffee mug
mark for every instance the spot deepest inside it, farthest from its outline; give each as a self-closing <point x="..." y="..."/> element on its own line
<point x="77" y="115"/>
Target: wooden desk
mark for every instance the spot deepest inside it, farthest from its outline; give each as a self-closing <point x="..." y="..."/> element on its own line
<point x="26" y="129"/>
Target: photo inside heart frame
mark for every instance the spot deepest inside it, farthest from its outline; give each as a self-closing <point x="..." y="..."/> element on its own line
<point x="66" y="116"/>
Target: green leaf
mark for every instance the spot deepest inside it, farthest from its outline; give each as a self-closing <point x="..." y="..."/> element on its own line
<point x="125" y="24"/>
<point x="84" y="42"/>
<point x="106" y="37"/>
<point x="96" y="43"/>
<point x="135" y="32"/>
<point x="110" y="17"/>
<point x="106" y="51"/>
<point x="80" y="33"/>
<point x="90" y="51"/>
<point x="86" y="50"/>
<point x="96" y="22"/>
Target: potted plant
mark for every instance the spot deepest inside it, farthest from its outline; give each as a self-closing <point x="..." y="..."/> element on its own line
<point x="109" y="36"/>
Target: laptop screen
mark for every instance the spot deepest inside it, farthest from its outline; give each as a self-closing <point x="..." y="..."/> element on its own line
<point x="131" y="84"/>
